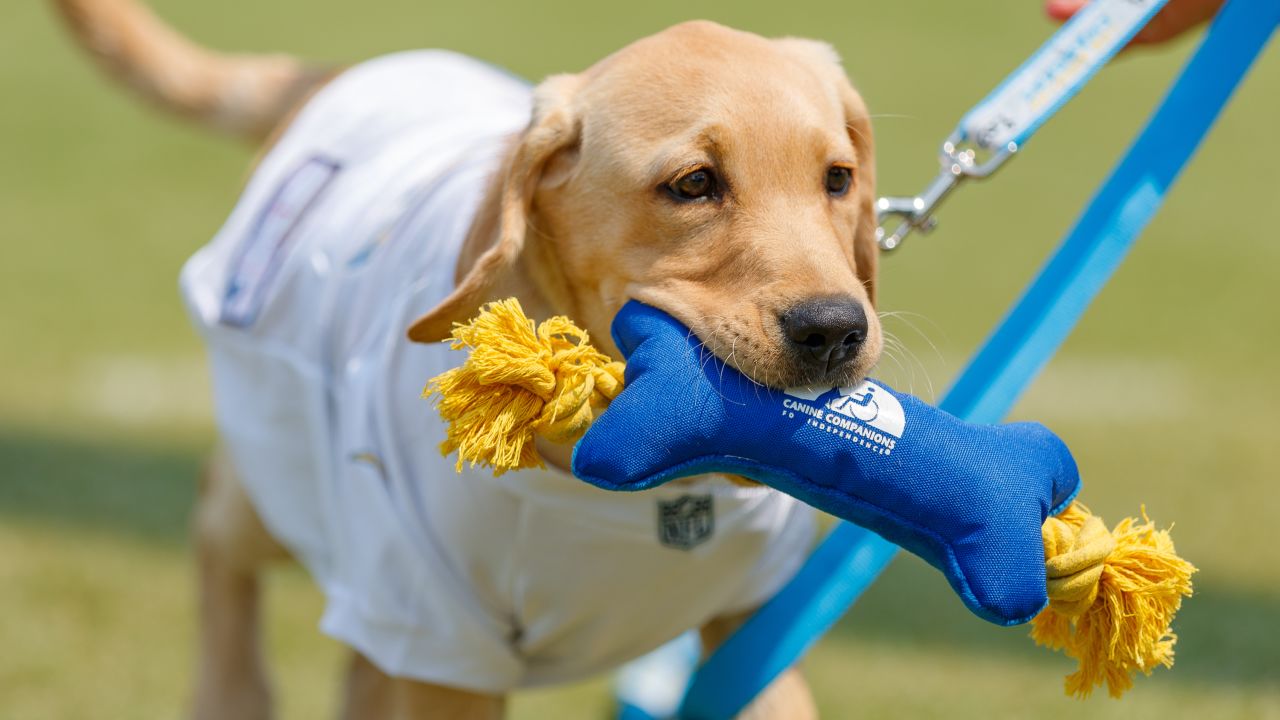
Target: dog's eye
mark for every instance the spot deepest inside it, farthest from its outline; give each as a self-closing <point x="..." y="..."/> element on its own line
<point x="696" y="185"/>
<point x="839" y="178"/>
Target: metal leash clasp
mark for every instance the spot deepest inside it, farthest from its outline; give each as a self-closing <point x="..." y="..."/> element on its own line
<point x="959" y="160"/>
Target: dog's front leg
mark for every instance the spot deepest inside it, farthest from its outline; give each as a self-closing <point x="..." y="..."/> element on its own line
<point x="369" y="693"/>
<point x="423" y="701"/>
<point x="373" y="695"/>
<point x="786" y="698"/>
<point x="231" y="546"/>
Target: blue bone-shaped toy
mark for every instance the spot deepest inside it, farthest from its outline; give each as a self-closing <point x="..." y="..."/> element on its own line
<point x="969" y="499"/>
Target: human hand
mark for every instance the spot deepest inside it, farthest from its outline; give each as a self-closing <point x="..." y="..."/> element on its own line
<point x="1174" y="19"/>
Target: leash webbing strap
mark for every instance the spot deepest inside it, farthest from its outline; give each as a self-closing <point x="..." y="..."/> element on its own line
<point x="1054" y="74"/>
<point x="996" y="128"/>
<point x="850" y="558"/>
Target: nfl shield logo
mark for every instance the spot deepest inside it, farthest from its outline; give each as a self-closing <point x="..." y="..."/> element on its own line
<point x="685" y="522"/>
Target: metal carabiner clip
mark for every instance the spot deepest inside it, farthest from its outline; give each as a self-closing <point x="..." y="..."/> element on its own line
<point x="916" y="213"/>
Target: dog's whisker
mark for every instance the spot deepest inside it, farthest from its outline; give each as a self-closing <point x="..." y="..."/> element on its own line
<point x="708" y="356"/>
<point x="906" y="319"/>
<point x="908" y="361"/>
<point x="892" y="353"/>
<point x="733" y="349"/>
<point x="707" y="352"/>
<point x="856" y="131"/>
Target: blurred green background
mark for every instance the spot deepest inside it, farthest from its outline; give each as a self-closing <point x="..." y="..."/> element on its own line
<point x="1167" y="392"/>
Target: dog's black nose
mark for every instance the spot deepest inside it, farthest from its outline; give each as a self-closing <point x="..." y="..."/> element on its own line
<point x="826" y="331"/>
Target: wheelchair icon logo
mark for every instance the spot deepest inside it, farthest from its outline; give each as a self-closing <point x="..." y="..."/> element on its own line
<point x="861" y="404"/>
<point x="871" y="404"/>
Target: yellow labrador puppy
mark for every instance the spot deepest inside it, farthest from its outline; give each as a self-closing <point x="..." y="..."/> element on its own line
<point x="723" y="177"/>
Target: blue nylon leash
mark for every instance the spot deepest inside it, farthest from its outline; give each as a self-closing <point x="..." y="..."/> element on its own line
<point x="850" y="558"/>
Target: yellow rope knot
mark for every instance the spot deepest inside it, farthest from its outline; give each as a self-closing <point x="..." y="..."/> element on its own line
<point x="1073" y="563"/>
<point x="520" y="381"/>
<point x="1112" y="594"/>
<point x="1112" y="598"/>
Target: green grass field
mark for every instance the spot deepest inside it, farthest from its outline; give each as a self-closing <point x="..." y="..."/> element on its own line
<point x="1167" y="392"/>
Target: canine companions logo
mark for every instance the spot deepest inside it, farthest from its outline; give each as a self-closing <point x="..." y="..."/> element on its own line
<point x="866" y="414"/>
<point x="685" y="522"/>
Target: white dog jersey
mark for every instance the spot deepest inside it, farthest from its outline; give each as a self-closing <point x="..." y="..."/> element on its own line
<point x="349" y="229"/>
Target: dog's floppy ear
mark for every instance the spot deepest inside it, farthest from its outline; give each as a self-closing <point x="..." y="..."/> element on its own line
<point x="825" y="61"/>
<point x="866" y="249"/>
<point x="553" y="134"/>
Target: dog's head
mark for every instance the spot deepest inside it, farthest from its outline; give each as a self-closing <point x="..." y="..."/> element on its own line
<point x="722" y="177"/>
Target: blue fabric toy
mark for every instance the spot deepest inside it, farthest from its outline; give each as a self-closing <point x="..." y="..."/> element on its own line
<point x="969" y="499"/>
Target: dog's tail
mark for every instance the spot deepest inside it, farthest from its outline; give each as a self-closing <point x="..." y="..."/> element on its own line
<point x="241" y="94"/>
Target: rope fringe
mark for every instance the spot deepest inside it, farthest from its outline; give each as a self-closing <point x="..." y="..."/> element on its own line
<point x="519" y="382"/>
<point x="1112" y="598"/>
